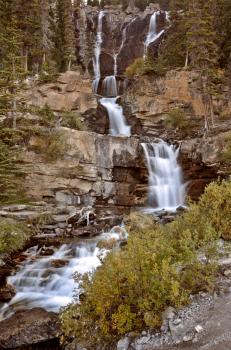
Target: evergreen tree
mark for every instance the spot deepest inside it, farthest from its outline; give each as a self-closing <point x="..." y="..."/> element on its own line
<point x="30" y="23"/>
<point x="64" y="38"/>
<point x="11" y="72"/>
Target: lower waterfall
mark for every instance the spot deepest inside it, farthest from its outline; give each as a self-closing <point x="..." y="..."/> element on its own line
<point x="166" y="187"/>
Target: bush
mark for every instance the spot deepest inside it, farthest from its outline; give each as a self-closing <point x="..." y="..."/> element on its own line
<point x="73" y="121"/>
<point x="176" y="118"/>
<point x="51" y="144"/>
<point x="143" y="66"/>
<point x="13" y="235"/>
<point x="215" y="205"/>
<point x="225" y="155"/>
<point x="159" y="267"/>
<point x="48" y="117"/>
<point x="11" y="176"/>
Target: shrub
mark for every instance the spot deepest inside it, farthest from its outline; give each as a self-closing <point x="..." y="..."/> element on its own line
<point x="225" y="115"/>
<point x="176" y="118"/>
<point x="13" y="235"/>
<point x="225" y="155"/>
<point x="142" y="66"/>
<point x="158" y="267"/>
<point x="215" y="205"/>
<point x="48" y="117"/>
<point x="51" y="144"/>
<point x="11" y="175"/>
<point x="72" y="120"/>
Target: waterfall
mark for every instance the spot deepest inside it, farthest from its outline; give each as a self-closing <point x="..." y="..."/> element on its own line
<point x="110" y="86"/>
<point x="96" y="60"/>
<point x="152" y="32"/>
<point x="48" y="281"/>
<point x="166" y="189"/>
<point x="118" y="126"/>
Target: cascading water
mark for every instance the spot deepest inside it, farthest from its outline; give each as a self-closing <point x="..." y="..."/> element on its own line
<point x="166" y="188"/>
<point x="152" y="32"/>
<point x="96" y="60"/>
<point x="110" y="86"/>
<point x="118" y="126"/>
<point x="48" y="281"/>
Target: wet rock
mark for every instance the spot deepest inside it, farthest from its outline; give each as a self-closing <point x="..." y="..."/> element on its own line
<point x="123" y="344"/>
<point x="28" y="327"/>
<point x="7" y="293"/>
<point x="57" y="263"/>
<point x="87" y="231"/>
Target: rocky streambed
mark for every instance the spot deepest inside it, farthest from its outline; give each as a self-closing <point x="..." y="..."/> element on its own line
<point x="45" y="282"/>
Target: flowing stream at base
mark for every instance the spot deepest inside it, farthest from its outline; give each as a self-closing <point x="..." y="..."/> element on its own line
<point x="49" y="281"/>
<point x="166" y="187"/>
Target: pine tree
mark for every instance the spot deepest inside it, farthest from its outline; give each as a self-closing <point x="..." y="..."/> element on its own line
<point x="202" y="49"/>
<point x="11" y="72"/>
<point x="30" y="23"/>
<point x="64" y="37"/>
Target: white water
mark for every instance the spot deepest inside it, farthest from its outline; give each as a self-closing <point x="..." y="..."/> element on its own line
<point x="166" y="188"/>
<point x="118" y="126"/>
<point x="96" y="60"/>
<point x="110" y="86"/>
<point x="39" y="283"/>
<point x="152" y="32"/>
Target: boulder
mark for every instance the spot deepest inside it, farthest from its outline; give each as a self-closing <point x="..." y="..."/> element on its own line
<point x="28" y="327"/>
<point x="6" y="293"/>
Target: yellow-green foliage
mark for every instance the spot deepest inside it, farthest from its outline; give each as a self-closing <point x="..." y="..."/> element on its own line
<point x="225" y="115"/>
<point x="215" y="205"/>
<point x="158" y="267"/>
<point x="51" y="144"/>
<point x="13" y="235"/>
<point x="226" y="152"/>
<point x="142" y="66"/>
<point x="48" y="117"/>
<point x="72" y="120"/>
<point x="11" y="176"/>
<point x="176" y="118"/>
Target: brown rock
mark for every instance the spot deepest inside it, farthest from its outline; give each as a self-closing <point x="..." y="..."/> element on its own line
<point x="7" y="293"/>
<point x="28" y="327"/>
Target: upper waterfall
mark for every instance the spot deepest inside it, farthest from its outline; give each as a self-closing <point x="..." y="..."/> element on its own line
<point x="97" y="51"/>
<point x="166" y="188"/>
<point x="152" y="32"/>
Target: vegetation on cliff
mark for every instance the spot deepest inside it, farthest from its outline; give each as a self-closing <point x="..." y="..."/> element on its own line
<point x="160" y="266"/>
<point x="13" y="235"/>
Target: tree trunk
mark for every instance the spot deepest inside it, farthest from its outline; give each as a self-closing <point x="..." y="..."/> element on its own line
<point x="14" y="114"/>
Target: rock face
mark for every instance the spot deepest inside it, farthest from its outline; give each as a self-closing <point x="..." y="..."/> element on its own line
<point x="28" y="327"/>
<point x="97" y="169"/>
<point x="70" y="92"/>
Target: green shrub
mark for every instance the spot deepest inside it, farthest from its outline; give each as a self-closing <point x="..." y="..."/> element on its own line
<point x="225" y="115"/>
<point x="176" y="118"/>
<point x="215" y="205"/>
<point x="13" y="235"/>
<point x="72" y="120"/>
<point x="142" y="66"/>
<point x="51" y="144"/>
<point x="159" y="267"/>
<point x="11" y="175"/>
<point x="225" y="155"/>
<point x="48" y="117"/>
